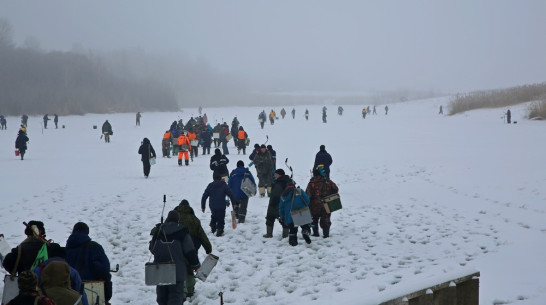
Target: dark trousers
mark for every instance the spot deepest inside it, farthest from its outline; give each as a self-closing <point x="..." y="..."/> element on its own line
<point x="146" y="167"/>
<point x="206" y="149"/>
<point x="217" y="219"/>
<point x="240" y="207"/>
<point x="224" y="148"/>
<point x="170" y="294"/>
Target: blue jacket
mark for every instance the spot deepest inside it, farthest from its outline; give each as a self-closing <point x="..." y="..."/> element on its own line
<point x="323" y="157"/>
<point x="235" y="179"/>
<point x="217" y="190"/>
<point x="94" y="265"/>
<point x="292" y="199"/>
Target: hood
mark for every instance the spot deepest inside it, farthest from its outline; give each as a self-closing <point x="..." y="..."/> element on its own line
<point x="217" y="184"/>
<point x="146" y="141"/>
<point x="172" y="227"/>
<point x="185" y="209"/>
<point x="240" y="171"/>
<point x="56" y="274"/>
<point x="76" y="239"/>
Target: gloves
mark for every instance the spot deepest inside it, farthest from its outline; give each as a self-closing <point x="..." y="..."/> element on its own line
<point x="250" y="164"/>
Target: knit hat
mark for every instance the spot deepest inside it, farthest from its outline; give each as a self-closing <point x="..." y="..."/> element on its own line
<point x="256" y="145"/>
<point x="240" y="163"/>
<point x="269" y="147"/>
<point x="27" y="281"/>
<point x="217" y="151"/>
<point x="322" y="147"/>
<point x="184" y="202"/>
<point x="280" y="171"/>
<point x="82" y="227"/>
<point x="263" y="146"/>
<point x="172" y="217"/>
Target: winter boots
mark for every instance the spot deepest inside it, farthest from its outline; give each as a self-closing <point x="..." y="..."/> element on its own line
<point x="187" y="162"/>
<point x="293" y="239"/>
<point x="268" y="191"/>
<point x="220" y="233"/>
<point x="269" y="233"/>
<point x="326" y="232"/>
<point x="261" y="190"/>
<point x="285" y="232"/>
<point x="305" y="233"/>
<point x="315" y="229"/>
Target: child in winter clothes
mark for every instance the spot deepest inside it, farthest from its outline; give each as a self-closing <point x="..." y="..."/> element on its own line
<point x="292" y="199"/>
<point x="217" y="190"/>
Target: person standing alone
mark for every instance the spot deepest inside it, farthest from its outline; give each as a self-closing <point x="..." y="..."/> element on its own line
<point x="147" y="152"/>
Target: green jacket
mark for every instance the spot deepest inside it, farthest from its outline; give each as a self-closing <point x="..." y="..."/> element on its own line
<point x="198" y="235"/>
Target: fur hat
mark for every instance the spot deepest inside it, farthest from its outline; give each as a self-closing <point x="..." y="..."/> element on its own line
<point x="27" y="281"/>
<point x="38" y="224"/>
<point x="280" y="171"/>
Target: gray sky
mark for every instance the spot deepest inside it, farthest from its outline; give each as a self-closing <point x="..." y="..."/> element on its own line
<point x="456" y="46"/>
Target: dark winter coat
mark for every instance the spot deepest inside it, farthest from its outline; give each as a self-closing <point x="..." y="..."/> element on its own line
<point x="181" y="248"/>
<point x="21" y="141"/>
<point x="277" y="188"/>
<point x="146" y="150"/>
<point x="198" y="235"/>
<point x="206" y="137"/>
<point x="263" y="163"/>
<point x="217" y="191"/>
<point x="324" y="158"/>
<point x="55" y="284"/>
<point x="218" y="164"/>
<point x="29" y="250"/>
<point x="30" y="298"/>
<point x="253" y="154"/>
<point x="317" y="188"/>
<point x="292" y="199"/>
<point x="235" y="180"/>
<point x="107" y="127"/>
<point x="87" y="257"/>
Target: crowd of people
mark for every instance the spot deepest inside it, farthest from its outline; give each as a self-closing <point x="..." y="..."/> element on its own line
<point x="83" y="260"/>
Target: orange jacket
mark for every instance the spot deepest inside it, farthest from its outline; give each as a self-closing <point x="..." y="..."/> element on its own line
<point x="192" y="135"/>
<point x="167" y="135"/>
<point x="183" y="141"/>
<point x="241" y="135"/>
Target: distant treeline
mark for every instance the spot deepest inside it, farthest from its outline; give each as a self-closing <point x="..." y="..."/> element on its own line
<point x="36" y="82"/>
<point x="501" y="98"/>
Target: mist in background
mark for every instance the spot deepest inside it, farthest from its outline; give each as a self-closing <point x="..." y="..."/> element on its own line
<point x="298" y="46"/>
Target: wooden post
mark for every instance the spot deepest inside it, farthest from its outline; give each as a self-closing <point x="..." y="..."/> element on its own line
<point x="468" y="292"/>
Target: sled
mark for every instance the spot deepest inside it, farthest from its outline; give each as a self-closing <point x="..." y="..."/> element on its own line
<point x="95" y="292"/>
<point x="206" y="267"/>
<point x="11" y="288"/>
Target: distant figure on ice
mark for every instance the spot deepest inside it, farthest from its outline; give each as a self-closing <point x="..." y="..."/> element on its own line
<point x="107" y="131"/>
<point x="374" y="112"/>
<point x="340" y="110"/>
<point x="3" y="122"/>
<point x="56" y="120"/>
<point x="324" y="114"/>
<point x="508" y="116"/>
<point x="46" y="118"/>
<point x="24" y="119"/>
<point x="364" y="112"/>
<point x="261" y="119"/>
<point x="441" y="110"/>
<point x="307" y="114"/>
<point x="21" y="143"/>
<point x="293" y="113"/>
<point x="147" y="151"/>
<point x="386" y="110"/>
<point x="283" y="113"/>
<point x="272" y="116"/>
<point x="242" y="137"/>
<point x="138" y="116"/>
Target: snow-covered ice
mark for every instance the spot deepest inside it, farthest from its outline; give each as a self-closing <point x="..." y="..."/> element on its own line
<point x="426" y="198"/>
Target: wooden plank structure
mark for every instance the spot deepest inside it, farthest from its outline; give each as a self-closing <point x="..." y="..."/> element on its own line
<point x="460" y="291"/>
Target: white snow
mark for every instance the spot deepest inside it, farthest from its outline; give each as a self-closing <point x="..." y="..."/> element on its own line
<point x="426" y="198"/>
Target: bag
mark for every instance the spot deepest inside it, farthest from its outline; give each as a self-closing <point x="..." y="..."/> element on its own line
<point x="11" y="288"/>
<point x="95" y="291"/>
<point x="207" y="266"/>
<point x="152" y="161"/>
<point x="194" y="142"/>
<point x="228" y="137"/>
<point x="160" y="274"/>
<point x="17" y="153"/>
<point x="301" y="216"/>
<point x="332" y="203"/>
<point x="216" y="135"/>
<point x="248" y="187"/>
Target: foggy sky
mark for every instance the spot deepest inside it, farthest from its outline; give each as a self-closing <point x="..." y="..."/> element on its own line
<point x="454" y="46"/>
